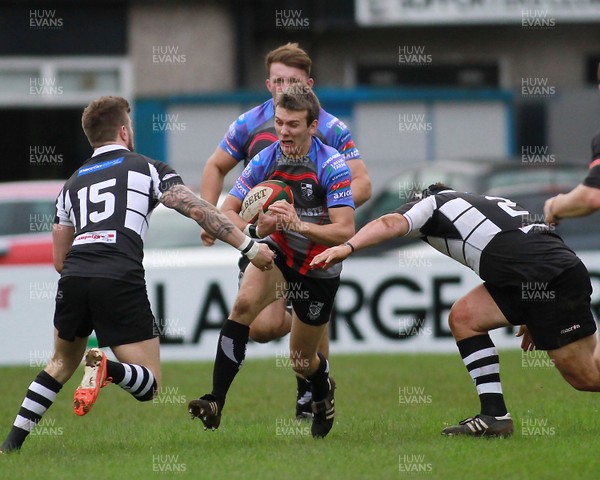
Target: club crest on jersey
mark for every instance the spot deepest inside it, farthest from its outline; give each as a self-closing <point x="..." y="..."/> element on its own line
<point x="314" y="309"/>
<point x="307" y="190"/>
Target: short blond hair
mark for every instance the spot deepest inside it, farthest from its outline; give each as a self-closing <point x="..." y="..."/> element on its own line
<point x="290" y="55"/>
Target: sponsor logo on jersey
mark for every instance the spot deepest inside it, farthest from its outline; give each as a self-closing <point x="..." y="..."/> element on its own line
<point x="101" y="236"/>
<point x="307" y="190"/>
<point x="240" y="188"/>
<point x="333" y="163"/>
<point x="343" y="184"/>
<point x="339" y="125"/>
<point x="337" y="176"/>
<point x="342" y="194"/>
<point x="99" y="166"/>
<point x="233" y="149"/>
<point x="348" y="145"/>
<point x="310" y="212"/>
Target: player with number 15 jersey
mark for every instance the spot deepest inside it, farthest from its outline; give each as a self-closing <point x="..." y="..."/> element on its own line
<point x="109" y="201"/>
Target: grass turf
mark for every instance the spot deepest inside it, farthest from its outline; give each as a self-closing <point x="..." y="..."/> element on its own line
<point x="389" y="413"/>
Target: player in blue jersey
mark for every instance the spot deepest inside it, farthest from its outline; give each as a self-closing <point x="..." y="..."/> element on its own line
<point x="249" y="134"/>
<point x="322" y="215"/>
<point x="102" y="216"/>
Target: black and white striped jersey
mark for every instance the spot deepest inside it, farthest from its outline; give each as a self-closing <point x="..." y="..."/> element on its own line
<point x="495" y="237"/>
<point x="109" y="201"/>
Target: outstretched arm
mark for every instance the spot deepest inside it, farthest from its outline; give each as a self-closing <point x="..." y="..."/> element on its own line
<point x="373" y="233"/>
<point x="181" y="198"/>
<point x="579" y="202"/>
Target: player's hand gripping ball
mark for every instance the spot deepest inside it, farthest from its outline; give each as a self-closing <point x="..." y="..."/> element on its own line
<point x="262" y="196"/>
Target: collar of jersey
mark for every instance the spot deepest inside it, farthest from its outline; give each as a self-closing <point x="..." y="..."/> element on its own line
<point x="108" y="148"/>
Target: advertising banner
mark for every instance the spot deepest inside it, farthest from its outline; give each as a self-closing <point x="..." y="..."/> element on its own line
<point x="397" y="303"/>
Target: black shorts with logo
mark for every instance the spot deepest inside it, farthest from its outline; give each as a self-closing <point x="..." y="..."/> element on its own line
<point x="556" y="312"/>
<point x="311" y="298"/>
<point x="119" y="312"/>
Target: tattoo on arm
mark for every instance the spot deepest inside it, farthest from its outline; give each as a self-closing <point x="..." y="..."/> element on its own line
<point x="181" y="198"/>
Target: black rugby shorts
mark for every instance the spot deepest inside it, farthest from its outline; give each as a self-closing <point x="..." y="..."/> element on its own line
<point x="119" y="312"/>
<point x="556" y="312"/>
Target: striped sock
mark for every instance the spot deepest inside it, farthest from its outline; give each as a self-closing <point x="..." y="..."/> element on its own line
<point x="481" y="359"/>
<point x="136" y="379"/>
<point x="39" y="398"/>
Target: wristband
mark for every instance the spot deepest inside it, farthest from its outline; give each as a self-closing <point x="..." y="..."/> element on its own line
<point x="246" y="245"/>
<point x="253" y="251"/>
<point x="351" y="246"/>
<point x="252" y="231"/>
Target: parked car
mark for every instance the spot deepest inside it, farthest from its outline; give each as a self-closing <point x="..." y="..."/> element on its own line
<point x="170" y="229"/>
<point x="27" y="213"/>
<point x="580" y="234"/>
<point x="27" y="209"/>
<point x="528" y="184"/>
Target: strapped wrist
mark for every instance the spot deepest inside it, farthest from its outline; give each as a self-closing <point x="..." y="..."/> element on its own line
<point x="246" y="245"/>
<point x="252" y="231"/>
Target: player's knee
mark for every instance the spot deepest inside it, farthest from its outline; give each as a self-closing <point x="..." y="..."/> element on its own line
<point x="458" y="317"/>
<point x="259" y="334"/>
<point x="242" y="306"/>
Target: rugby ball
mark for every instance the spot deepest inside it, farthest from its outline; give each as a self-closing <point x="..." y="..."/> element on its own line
<point x="262" y="196"/>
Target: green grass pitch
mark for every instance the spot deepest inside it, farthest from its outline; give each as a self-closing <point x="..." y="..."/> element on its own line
<point x="389" y="413"/>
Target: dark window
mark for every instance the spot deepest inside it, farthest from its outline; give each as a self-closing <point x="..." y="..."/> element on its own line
<point x="63" y="28"/>
<point x="41" y="144"/>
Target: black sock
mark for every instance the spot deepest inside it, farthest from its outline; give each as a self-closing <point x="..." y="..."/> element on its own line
<point x="481" y="359"/>
<point x="319" y="380"/>
<point x="304" y="393"/>
<point x="231" y="352"/>
<point x="137" y="380"/>
<point x="39" y="398"/>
